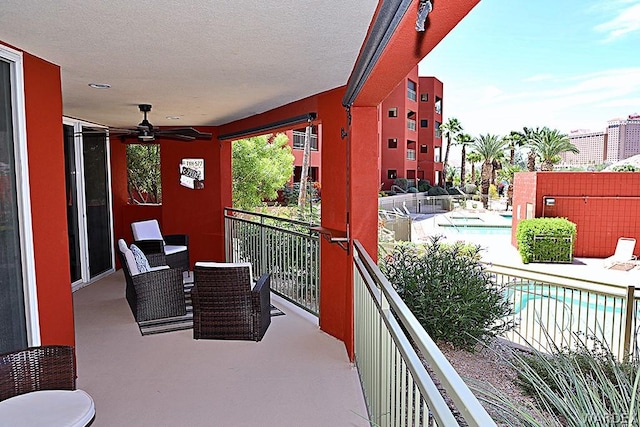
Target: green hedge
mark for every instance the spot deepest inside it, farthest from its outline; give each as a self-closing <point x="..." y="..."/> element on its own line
<point x="546" y="240"/>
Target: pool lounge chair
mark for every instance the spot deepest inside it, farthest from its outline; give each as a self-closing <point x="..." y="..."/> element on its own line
<point x="623" y="253"/>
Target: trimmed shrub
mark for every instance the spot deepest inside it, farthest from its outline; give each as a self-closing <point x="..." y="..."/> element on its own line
<point x="546" y="240"/>
<point x="470" y="188"/>
<point x="454" y="191"/>
<point x="437" y="191"/>
<point x="402" y="183"/>
<point x="449" y="291"/>
<point x="424" y="185"/>
<point x="412" y="190"/>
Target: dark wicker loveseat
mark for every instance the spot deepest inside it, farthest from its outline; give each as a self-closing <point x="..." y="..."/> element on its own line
<point x="225" y="306"/>
<point x="154" y="294"/>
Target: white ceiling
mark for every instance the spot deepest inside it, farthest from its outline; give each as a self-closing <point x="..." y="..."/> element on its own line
<point x="207" y="62"/>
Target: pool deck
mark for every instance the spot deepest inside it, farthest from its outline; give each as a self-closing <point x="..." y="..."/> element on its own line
<point x="497" y="249"/>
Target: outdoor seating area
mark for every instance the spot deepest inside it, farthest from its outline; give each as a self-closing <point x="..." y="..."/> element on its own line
<point x="38" y="388"/>
<point x="623" y="257"/>
<point x="297" y="375"/>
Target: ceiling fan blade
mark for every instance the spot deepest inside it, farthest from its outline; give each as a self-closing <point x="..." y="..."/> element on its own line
<point x="194" y="133"/>
<point x="175" y="136"/>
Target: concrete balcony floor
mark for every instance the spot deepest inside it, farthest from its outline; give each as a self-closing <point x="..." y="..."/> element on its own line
<point x="296" y="376"/>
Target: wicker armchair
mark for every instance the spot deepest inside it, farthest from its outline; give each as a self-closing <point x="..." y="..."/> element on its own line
<point x="155" y="294"/>
<point x="224" y="304"/>
<point x="148" y="237"/>
<point x="26" y="374"/>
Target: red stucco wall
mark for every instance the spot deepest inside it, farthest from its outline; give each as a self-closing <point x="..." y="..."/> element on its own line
<point x="603" y="205"/>
<point x="43" y="107"/>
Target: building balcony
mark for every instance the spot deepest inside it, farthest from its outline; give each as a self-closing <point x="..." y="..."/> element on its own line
<point x="297" y="375"/>
<point x="298" y="141"/>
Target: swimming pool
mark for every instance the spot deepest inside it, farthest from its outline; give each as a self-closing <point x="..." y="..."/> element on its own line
<point x="477" y="229"/>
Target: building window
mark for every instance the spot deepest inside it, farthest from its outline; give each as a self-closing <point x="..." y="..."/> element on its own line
<point x="424" y="97"/>
<point x="392" y="143"/>
<point x="436" y="155"/>
<point x="411" y="90"/>
<point x="411" y="124"/>
<point x="392" y="174"/>
<point x="411" y="154"/>
<point x="424" y="123"/>
<point x="438" y="131"/>
<point x="393" y="112"/>
<point x="424" y="148"/>
<point x="438" y="105"/>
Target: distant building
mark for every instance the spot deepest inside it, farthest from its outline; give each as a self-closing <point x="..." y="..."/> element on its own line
<point x="619" y="141"/>
<point x="411" y="143"/>
<point x="624" y="138"/>
<point x="591" y="145"/>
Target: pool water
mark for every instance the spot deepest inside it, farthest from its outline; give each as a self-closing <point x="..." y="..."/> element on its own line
<point x="478" y="229"/>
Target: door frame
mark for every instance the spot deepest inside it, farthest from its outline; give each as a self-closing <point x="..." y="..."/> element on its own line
<point x="23" y="196"/>
<point x="81" y="206"/>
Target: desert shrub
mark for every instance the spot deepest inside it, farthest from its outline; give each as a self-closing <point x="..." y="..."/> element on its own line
<point x="402" y="183"/>
<point x="437" y="191"/>
<point x="412" y="190"/>
<point x="423" y="185"/>
<point x="470" y="188"/>
<point x="585" y="386"/>
<point x="454" y="191"/>
<point x="449" y="291"/>
<point x="493" y="192"/>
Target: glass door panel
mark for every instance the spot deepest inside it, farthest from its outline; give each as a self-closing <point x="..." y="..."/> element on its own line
<point x="13" y="330"/>
<point x="73" y="223"/>
<point x="96" y="185"/>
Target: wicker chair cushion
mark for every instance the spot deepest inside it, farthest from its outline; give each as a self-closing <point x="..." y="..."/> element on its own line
<point x="128" y="256"/>
<point x="173" y="249"/>
<point x="208" y="264"/>
<point x="140" y="259"/>
<point x="146" y="230"/>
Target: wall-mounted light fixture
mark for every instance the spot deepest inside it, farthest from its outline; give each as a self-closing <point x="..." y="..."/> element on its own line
<point x="548" y="201"/>
<point x="424" y="8"/>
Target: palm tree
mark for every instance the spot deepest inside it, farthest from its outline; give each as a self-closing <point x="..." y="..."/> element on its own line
<point x="473" y="158"/>
<point x="490" y="148"/>
<point x="463" y="139"/>
<point x="548" y="144"/>
<point x="516" y="139"/>
<point x="450" y="129"/>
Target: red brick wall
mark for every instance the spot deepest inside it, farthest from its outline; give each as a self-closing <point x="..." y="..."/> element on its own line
<point x="603" y="205"/>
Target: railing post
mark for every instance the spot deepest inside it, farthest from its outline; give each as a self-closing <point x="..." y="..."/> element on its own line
<point x="628" y="319"/>
<point x="263" y="247"/>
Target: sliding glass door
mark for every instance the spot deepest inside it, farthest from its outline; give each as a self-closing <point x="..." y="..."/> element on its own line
<point x="88" y="203"/>
<point x="13" y="326"/>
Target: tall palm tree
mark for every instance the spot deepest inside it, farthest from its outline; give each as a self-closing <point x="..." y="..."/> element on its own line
<point x="516" y="140"/>
<point x="490" y="148"/>
<point x="548" y="144"/>
<point x="450" y="129"/>
<point x="463" y="139"/>
<point x="473" y="158"/>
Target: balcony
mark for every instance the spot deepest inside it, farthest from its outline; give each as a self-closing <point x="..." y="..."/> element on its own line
<point x="411" y="124"/>
<point x="297" y="375"/>
<point x="298" y="141"/>
<point x="411" y="154"/>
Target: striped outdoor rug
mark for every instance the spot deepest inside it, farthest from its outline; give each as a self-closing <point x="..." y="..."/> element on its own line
<point x="179" y="323"/>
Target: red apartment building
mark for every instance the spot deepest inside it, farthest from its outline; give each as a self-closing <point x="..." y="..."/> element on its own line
<point x="296" y="141"/>
<point x="411" y="143"/>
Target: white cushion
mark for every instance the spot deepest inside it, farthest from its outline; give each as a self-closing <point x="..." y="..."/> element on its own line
<point x="211" y="264"/>
<point x="146" y="230"/>
<point x="128" y="256"/>
<point x="48" y="408"/>
<point x="173" y="249"/>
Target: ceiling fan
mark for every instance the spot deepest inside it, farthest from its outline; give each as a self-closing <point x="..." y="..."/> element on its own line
<point x="145" y="132"/>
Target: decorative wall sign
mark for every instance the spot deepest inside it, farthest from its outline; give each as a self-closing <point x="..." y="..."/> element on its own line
<point x="192" y="173"/>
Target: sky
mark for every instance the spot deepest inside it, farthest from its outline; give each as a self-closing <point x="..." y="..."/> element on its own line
<point x="565" y="64"/>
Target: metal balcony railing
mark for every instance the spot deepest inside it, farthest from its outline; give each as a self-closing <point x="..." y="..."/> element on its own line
<point x="398" y="389"/>
<point x="287" y="249"/>
<point x="411" y="124"/>
<point x="411" y="154"/>
<point x="298" y="141"/>
<point x="556" y="311"/>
